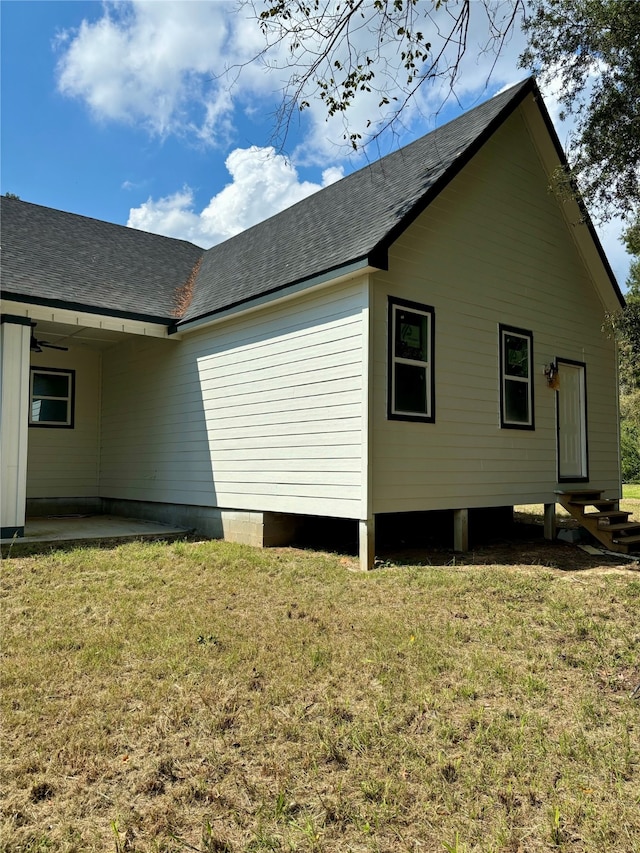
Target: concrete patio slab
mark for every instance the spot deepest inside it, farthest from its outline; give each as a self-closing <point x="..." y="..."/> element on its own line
<point x="91" y="528"/>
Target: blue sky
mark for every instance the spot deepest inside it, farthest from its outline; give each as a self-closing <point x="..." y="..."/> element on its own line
<point x="124" y="112"/>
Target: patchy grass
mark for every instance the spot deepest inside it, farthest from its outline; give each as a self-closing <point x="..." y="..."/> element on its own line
<point x="631" y="491"/>
<point x="212" y="697"/>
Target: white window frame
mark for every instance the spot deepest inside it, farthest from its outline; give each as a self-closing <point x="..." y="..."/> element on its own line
<point x="68" y="423"/>
<point x="527" y="336"/>
<point x="427" y="311"/>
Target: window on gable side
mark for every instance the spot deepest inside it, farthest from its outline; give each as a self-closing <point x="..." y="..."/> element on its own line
<point x="516" y="378"/>
<point x="411" y="347"/>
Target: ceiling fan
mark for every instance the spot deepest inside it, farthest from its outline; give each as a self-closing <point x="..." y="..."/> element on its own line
<point x="36" y="345"/>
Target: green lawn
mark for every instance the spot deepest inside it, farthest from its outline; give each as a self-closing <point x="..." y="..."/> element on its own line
<point x="212" y="697"/>
<point x="631" y="490"/>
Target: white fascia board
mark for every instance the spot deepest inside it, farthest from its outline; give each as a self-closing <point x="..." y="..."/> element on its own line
<point x="86" y="320"/>
<point x="339" y="276"/>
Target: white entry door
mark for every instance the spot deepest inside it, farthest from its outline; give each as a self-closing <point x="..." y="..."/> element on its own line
<point x="571" y="403"/>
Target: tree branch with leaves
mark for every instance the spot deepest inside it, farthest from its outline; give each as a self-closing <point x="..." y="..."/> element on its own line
<point x="589" y="51"/>
<point x="383" y="52"/>
<point x="340" y="52"/>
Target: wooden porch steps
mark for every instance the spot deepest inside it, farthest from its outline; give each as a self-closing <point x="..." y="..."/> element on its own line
<point x="605" y="521"/>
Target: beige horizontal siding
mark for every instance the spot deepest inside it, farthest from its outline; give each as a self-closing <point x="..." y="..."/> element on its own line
<point x="64" y="462"/>
<point x="262" y="412"/>
<point x="493" y="248"/>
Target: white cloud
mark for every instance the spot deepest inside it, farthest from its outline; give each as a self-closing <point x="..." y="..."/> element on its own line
<point x="263" y="183"/>
<point x="331" y="175"/>
<point x="151" y="63"/>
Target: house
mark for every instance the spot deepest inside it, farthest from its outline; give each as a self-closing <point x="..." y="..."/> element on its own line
<point x="425" y="334"/>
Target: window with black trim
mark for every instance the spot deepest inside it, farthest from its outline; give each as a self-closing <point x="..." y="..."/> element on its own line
<point x="52" y="397"/>
<point x="411" y="348"/>
<point x="516" y="378"/>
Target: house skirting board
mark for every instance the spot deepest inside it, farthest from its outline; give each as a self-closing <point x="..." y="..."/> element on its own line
<point x="265" y="529"/>
<point x="246" y="527"/>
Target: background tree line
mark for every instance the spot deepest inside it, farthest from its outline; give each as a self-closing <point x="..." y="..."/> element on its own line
<point x="628" y="329"/>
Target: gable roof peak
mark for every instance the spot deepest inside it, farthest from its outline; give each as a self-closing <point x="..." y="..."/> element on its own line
<point x="352" y="220"/>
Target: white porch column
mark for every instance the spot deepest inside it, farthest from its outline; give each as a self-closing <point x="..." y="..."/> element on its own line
<point x="15" y="334"/>
<point x="367" y="543"/>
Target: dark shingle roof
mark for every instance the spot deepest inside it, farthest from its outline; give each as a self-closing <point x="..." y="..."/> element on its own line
<point x="354" y="219"/>
<point x="58" y="258"/>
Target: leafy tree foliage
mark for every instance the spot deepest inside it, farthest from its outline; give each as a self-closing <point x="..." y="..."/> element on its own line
<point x="632" y="242"/>
<point x="379" y="52"/>
<point x="628" y="327"/>
<point x="630" y="436"/>
<point x="591" y="50"/>
<point x="627" y="323"/>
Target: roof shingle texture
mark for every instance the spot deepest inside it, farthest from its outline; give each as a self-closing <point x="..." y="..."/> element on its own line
<point x="345" y="221"/>
<point x="62" y="257"/>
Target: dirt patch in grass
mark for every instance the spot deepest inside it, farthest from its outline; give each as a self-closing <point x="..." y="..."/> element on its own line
<point x="632" y="505"/>
<point x="521" y="545"/>
<point x="210" y="697"/>
<point x="527" y="553"/>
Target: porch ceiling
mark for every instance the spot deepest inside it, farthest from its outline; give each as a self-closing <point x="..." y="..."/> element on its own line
<point x="65" y="335"/>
